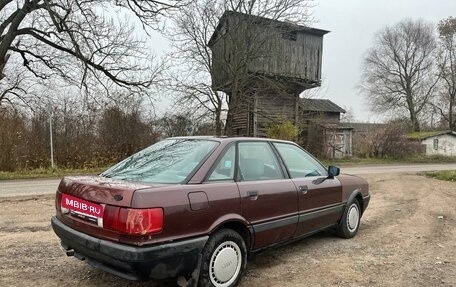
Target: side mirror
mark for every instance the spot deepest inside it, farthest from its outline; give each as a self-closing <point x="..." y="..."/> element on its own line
<point x="333" y="171"/>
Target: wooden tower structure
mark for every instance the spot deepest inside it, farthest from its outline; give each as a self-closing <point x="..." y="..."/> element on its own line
<point x="263" y="65"/>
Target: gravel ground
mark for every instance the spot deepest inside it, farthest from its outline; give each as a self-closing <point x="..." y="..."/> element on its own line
<point x="407" y="238"/>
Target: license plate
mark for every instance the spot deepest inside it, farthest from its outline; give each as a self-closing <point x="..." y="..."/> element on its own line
<point x="83" y="209"/>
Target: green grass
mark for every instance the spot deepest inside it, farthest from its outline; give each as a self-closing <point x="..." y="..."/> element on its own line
<point x="448" y="175"/>
<point x="47" y="173"/>
<point x="422" y="135"/>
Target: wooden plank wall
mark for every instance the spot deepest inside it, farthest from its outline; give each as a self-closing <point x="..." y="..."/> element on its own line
<point x="265" y="49"/>
<point x="261" y="111"/>
<point x="274" y="109"/>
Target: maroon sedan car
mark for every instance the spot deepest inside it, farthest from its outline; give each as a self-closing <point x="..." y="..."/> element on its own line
<point x="195" y="207"/>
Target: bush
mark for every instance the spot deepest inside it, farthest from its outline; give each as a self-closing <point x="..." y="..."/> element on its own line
<point x="387" y="141"/>
<point x="285" y="130"/>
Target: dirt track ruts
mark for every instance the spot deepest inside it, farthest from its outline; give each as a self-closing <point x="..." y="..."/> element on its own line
<point x="407" y="238"/>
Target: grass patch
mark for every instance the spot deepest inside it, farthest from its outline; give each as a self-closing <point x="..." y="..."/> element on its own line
<point x="448" y="175"/>
<point x="422" y="135"/>
<point x="48" y="173"/>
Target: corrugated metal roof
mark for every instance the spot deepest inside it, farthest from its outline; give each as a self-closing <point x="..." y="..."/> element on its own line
<point x="320" y="105"/>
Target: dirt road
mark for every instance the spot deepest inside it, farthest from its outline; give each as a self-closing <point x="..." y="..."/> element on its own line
<point x="407" y="238"/>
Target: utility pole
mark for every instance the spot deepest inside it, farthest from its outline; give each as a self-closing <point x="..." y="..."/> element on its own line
<point x="51" y="143"/>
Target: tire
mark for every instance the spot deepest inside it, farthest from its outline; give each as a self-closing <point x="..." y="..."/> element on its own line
<point x="349" y="224"/>
<point x="224" y="259"/>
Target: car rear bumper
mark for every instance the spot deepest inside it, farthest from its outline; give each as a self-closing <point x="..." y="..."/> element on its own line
<point x="131" y="262"/>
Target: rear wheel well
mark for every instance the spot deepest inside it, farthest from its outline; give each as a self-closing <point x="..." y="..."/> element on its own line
<point x="239" y="228"/>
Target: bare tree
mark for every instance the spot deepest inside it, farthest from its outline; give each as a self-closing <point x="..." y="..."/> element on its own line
<point x="16" y="86"/>
<point x="446" y="104"/>
<point x="174" y="125"/>
<point x="124" y="132"/>
<point x="399" y="70"/>
<point x="194" y="26"/>
<point x="348" y="116"/>
<point x="85" y="42"/>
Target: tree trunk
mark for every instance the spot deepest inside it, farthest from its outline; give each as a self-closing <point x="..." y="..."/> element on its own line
<point x="230" y="117"/>
<point x="415" y="124"/>
<point x="9" y="37"/>
<point x="451" y="120"/>
<point x="218" y="122"/>
<point x="411" y="107"/>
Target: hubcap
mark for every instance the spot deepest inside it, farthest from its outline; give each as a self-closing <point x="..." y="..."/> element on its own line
<point x="225" y="264"/>
<point x="353" y="218"/>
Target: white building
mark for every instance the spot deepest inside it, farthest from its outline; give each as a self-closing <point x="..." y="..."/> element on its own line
<point x="442" y="143"/>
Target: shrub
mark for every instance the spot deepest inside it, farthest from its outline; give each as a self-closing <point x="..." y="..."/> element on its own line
<point x="387" y="141"/>
<point x="284" y="130"/>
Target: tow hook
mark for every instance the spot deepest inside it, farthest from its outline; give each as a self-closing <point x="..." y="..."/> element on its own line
<point x="69" y="252"/>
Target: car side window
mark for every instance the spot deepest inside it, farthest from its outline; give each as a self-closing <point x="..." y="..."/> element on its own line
<point x="298" y="162"/>
<point x="224" y="168"/>
<point x="257" y="161"/>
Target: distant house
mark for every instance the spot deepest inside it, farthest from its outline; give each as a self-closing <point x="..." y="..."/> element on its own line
<point x="437" y="143"/>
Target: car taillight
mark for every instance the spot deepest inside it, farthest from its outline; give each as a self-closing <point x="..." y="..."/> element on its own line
<point x="133" y="221"/>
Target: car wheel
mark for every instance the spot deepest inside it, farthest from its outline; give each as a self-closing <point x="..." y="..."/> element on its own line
<point x="224" y="259"/>
<point x="349" y="224"/>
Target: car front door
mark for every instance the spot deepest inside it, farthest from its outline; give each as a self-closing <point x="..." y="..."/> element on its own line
<point x="320" y="198"/>
<point x="269" y="199"/>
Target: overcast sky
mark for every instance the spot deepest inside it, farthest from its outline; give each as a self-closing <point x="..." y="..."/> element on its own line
<point x="353" y="24"/>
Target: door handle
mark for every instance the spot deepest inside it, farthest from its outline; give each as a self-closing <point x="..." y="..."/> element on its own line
<point x="303" y="189"/>
<point x="253" y="194"/>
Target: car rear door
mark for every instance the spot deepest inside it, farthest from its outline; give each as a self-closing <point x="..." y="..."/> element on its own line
<point x="320" y="198"/>
<point x="269" y="199"/>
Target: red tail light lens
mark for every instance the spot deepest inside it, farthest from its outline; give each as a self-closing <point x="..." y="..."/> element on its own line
<point x="133" y="221"/>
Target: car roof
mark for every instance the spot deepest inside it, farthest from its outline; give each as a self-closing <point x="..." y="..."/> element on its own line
<point x="231" y="139"/>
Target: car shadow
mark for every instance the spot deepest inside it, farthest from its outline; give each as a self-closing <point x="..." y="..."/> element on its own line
<point x="323" y="242"/>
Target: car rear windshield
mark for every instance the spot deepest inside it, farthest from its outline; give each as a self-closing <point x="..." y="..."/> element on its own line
<point x="168" y="161"/>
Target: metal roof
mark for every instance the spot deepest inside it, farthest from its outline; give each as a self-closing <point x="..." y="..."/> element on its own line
<point x="320" y="105"/>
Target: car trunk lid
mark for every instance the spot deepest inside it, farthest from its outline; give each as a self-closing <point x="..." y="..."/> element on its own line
<point x="100" y="189"/>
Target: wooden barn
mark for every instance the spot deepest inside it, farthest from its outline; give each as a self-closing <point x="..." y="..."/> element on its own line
<point x="321" y="130"/>
<point x="267" y="64"/>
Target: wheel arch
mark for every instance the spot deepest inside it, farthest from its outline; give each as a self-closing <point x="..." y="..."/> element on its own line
<point x="356" y="194"/>
<point x="238" y="224"/>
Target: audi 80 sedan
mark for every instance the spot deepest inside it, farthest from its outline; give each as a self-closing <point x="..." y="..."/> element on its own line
<point x="195" y="207"/>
